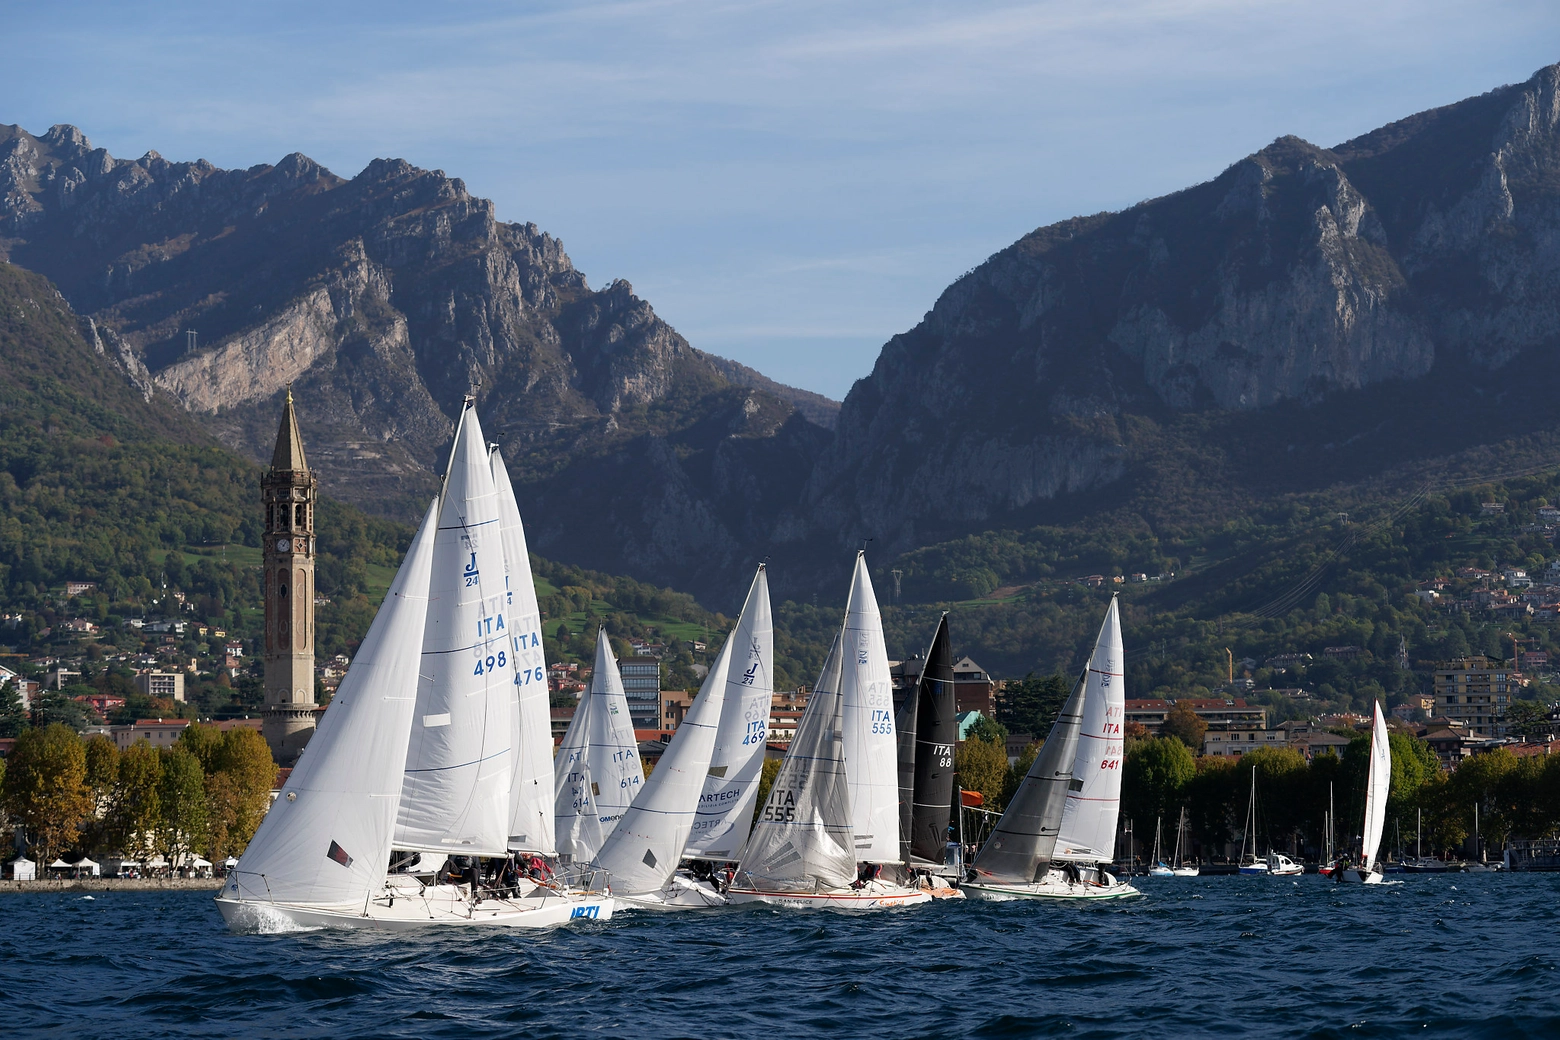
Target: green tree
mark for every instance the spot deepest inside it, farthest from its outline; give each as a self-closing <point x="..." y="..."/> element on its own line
<point x="982" y="766"/>
<point x="766" y="780"/>
<point x="13" y="718"/>
<point x="1185" y="725"/>
<point x="102" y="758"/>
<point x="182" y="798"/>
<point x="1020" y="769"/>
<point x="1030" y="705"/>
<point x="1529" y="719"/>
<point x="1282" y="794"/>
<point x="137" y="811"/>
<point x="46" y="787"/>
<point x="1154" y="778"/>
<point x="202" y="742"/>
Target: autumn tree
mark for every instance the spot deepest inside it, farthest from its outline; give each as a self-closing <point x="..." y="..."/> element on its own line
<point x="238" y="789"/>
<point x="46" y="787"/>
<point x="1184" y="724"/>
<point x="982" y="766"/>
<point x="102" y="757"/>
<point x="137" y="809"/>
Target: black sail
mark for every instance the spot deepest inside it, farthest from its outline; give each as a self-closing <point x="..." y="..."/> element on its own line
<point x="936" y="732"/>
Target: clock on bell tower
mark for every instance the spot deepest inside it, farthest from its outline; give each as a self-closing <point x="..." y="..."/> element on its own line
<point x="289" y="490"/>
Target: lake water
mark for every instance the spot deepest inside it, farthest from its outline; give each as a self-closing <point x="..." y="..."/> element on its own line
<point x="1456" y="955"/>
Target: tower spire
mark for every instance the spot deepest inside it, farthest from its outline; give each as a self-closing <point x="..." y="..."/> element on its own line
<point x="289" y="442"/>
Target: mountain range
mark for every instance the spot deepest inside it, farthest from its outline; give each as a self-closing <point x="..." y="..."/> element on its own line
<point x="1311" y="318"/>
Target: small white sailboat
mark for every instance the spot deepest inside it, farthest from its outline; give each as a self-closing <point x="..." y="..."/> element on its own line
<point x="1086" y="831"/>
<point x="1274" y="864"/>
<point x="802" y="851"/>
<point x="1378" y="783"/>
<point x="1158" y="867"/>
<point x="1178" y="867"/>
<point x="597" y="770"/>
<point x="413" y="757"/>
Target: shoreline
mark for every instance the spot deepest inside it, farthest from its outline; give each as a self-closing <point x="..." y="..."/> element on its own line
<point x="100" y="884"/>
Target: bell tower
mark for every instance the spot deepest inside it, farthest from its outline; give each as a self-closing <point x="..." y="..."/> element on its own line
<point x="288" y="490"/>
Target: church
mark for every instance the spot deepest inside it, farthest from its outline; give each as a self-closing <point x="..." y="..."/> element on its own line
<point x="289" y="490"/>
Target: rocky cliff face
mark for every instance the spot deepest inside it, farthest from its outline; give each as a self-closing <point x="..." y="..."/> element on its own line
<point x="383" y="300"/>
<point x="1429" y="247"/>
<point x="1310" y="315"/>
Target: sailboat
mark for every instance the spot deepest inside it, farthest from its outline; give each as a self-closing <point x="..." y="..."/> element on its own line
<point x="832" y="817"/>
<point x="413" y="758"/>
<point x="597" y="772"/>
<point x="725" y="813"/>
<point x="1378" y="782"/>
<point x="643" y="851"/>
<point x="928" y="728"/>
<point x="1159" y="867"/>
<point x="1177" y="866"/>
<point x="1275" y="864"/>
<point x="1422" y="864"/>
<point x="1088" y="783"/>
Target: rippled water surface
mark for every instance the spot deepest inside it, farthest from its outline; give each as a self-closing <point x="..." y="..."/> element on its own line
<point x="1433" y="956"/>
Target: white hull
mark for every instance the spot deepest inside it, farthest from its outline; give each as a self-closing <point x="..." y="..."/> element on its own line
<point x="874" y="896"/>
<point x="1160" y="872"/>
<point x="1054" y="885"/>
<point x="680" y="893"/>
<point x="1254" y="869"/>
<point x="405" y="910"/>
<point x="1355" y="876"/>
<point x="1186" y="871"/>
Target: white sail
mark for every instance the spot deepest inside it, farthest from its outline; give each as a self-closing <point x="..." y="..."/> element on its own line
<point x="643" y="850"/>
<point x="802" y="841"/>
<point x="455" y="797"/>
<point x="1378" y="784"/>
<point x="531" y="790"/>
<point x="871" y="750"/>
<point x="1088" y="832"/>
<point x="603" y="741"/>
<point x="726" y="805"/>
<point x="577" y="833"/>
<point x="326" y="840"/>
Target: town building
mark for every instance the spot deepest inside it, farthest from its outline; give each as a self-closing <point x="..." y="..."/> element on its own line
<point x="1475" y="691"/>
<point x="674" y="707"/>
<point x="160" y="733"/>
<point x="288" y="490"/>
<point x="973" y="687"/>
<point x="169" y="685"/>
<point x="642" y="689"/>
<point x="1239" y="740"/>
<point x="1220" y="713"/>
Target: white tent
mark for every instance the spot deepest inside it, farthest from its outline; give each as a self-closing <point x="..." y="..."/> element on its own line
<point x="199" y="863"/>
<point x="59" y="864"/>
<point x="157" y="863"/>
<point x="24" y="869"/>
<point x="88" y="867"/>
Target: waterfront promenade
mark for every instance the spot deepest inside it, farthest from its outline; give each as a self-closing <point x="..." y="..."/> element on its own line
<point x="108" y="884"/>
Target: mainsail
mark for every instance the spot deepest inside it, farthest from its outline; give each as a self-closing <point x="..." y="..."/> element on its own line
<point x="597" y="772"/>
<point x="1378" y="783"/>
<point x="342" y="793"/>
<point x="531" y="788"/>
<point x="455" y="796"/>
<point x="868" y="715"/>
<point x="936" y="732"/>
<point x="726" y="804"/>
<point x="1021" y="846"/>
<point x="643" y="850"/>
<point x="1094" y="800"/>
<point x="802" y="840"/>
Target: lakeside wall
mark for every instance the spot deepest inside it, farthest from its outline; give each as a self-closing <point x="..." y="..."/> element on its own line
<point x="100" y="884"/>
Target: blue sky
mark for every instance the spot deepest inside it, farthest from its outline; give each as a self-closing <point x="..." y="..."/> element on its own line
<point x="789" y="184"/>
